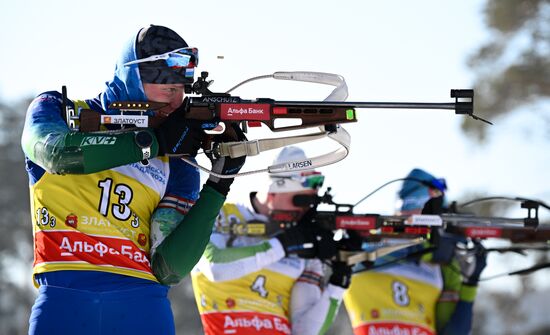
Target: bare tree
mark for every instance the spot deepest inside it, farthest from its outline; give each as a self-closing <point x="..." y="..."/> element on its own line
<point x="16" y="295"/>
<point x="513" y="68"/>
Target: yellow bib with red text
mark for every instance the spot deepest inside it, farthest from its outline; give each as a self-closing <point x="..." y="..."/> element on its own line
<point x="399" y="300"/>
<point x="98" y="221"/>
<point x="257" y="303"/>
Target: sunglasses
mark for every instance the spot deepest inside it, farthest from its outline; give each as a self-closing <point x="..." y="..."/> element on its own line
<point x="312" y="180"/>
<point x="179" y="58"/>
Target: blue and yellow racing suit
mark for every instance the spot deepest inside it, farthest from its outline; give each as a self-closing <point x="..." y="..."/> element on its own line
<point x="93" y="202"/>
<point x="409" y="297"/>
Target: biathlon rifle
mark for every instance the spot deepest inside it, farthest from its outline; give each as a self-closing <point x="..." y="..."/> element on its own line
<point x="523" y="233"/>
<point x="278" y="116"/>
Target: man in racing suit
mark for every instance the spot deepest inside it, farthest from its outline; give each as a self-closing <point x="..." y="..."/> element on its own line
<point x="404" y="293"/>
<point x="248" y="283"/>
<point x="95" y="194"/>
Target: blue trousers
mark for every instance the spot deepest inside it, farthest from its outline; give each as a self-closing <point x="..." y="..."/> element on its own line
<point x="136" y="311"/>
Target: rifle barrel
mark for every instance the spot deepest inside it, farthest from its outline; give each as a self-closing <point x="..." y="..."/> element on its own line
<point x="393" y="105"/>
<point x="466" y="219"/>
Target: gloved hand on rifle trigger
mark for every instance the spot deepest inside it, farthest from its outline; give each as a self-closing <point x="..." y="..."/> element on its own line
<point x="178" y="135"/>
<point x="341" y="274"/>
<point x="307" y="240"/>
<point x="226" y="164"/>
<point x="472" y="262"/>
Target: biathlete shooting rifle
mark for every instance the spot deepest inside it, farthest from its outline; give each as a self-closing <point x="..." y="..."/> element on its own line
<point x="388" y="233"/>
<point x="215" y="108"/>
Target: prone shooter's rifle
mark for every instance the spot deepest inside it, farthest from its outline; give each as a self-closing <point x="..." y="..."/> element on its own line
<point x="420" y="228"/>
<point x="212" y="107"/>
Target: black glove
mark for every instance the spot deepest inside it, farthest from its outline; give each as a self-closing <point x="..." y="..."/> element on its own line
<point x="180" y="136"/>
<point x="307" y="240"/>
<point x="226" y="165"/>
<point x="327" y="247"/>
<point x="472" y="262"/>
<point x="351" y="242"/>
<point x="299" y="240"/>
<point x="341" y="274"/>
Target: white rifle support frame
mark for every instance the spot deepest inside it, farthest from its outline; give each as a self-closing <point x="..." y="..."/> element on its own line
<point x="255" y="147"/>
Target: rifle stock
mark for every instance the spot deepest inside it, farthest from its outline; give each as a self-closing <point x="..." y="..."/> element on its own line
<point x="268" y="112"/>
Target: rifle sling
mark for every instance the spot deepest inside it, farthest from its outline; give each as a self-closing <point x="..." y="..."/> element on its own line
<point x="255" y="147"/>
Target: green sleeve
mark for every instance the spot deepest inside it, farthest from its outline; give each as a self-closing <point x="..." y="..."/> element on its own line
<point x="334" y="306"/>
<point x="455" y="306"/>
<point x="81" y="153"/>
<point x="214" y="254"/>
<point x="48" y="142"/>
<point x="468" y="293"/>
<point x="452" y="282"/>
<point x="178" y="253"/>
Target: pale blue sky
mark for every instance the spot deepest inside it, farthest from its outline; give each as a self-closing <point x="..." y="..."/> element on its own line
<point x="387" y="51"/>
